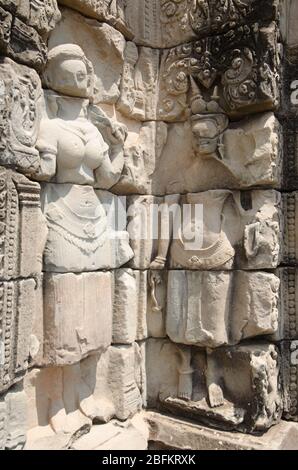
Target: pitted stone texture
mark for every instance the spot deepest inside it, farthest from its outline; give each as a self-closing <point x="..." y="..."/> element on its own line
<point x="20" y="309"/>
<point x="77" y="316"/>
<point x="67" y="399"/>
<point x="13" y="412"/>
<point x="20" y="92"/>
<point x="226" y="230"/>
<point x="232" y="388"/>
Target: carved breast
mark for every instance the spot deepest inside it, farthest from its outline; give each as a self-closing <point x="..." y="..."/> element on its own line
<point x="79" y="143"/>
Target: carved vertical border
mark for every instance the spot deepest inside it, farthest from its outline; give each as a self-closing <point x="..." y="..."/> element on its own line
<point x="290" y="379"/>
<point x="290" y="216"/>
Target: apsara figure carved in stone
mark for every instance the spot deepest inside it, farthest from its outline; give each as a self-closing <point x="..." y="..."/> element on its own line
<point x="75" y="154"/>
<point x="81" y="150"/>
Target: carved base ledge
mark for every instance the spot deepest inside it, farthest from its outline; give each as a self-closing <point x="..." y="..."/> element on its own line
<point x="168" y="432"/>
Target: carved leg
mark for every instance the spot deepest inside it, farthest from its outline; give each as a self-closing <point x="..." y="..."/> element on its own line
<point x="57" y="413"/>
<point x="76" y="420"/>
<point x="168" y="214"/>
<point x="185" y="374"/>
<point x="215" y="393"/>
<point x="99" y="410"/>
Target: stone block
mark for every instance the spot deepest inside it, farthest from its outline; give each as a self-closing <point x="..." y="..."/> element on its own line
<point x="129" y="306"/>
<point x="76" y="325"/>
<point x="20" y="307"/>
<point x="19" y="116"/>
<point x="103" y="45"/>
<point x="176" y="433"/>
<point x="68" y="399"/>
<point x="234" y="388"/>
<point x="24" y="26"/>
<point x="212" y="230"/>
<point x="13" y="412"/>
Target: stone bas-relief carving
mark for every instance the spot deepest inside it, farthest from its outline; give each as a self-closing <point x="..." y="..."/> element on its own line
<point x="203" y="153"/>
<point x="20" y="314"/>
<point x="102" y="44"/>
<point x="166" y="23"/>
<point x="13" y="410"/>
<point x="208" y="386"/>
<point x="75" y="154"/>
<point x="246" y="74"/>
<point x="78" y="325"/>
<point x="69" y="399"/>
<point x="290" y="378"/>
<point x="24" y="26"/>
<point x="23" y="228"/>
<point x="172" y="22"/>
<point x="240" y="230"/>
<point x="81" y="236"/>
<point x="210" y="309"/>
<point x="19" y="116"/>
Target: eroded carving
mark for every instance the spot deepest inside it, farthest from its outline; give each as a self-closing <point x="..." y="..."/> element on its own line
<point x="211" y="230"/>
<point x="242" y="62"/>
<point x="197" y="384"/>
<point x="97" y="389"/>
<point x="20" y="91"/>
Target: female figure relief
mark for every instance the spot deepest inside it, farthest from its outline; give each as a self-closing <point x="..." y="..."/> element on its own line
<point x="74" y="152"/>
<point x="80" y="150"/>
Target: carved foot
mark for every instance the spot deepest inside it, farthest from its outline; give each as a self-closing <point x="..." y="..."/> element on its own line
<point x="57" y="416"/>
<point x="215" y="394"/>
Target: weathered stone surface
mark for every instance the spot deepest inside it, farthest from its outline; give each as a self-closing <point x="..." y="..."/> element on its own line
<point x="20" y="306"/>
<point x="210" y="309"/>
<point x="289" y="12"/>
<point x="171" y="22"/>
<point x="230" y="388"/>
<point x="290" y="208"/>
<point x="100" y="387"/>
<point x="112" y="12"/>
<point x="289" y="351"/>
<point x="24" y="23"/>
<point x="13" y="409"/>
<point x="103" y="45"/>
<point x="176" y="433"/>
<point x="23" y="228"/>
<point x="212" y="230"/>
<point x="80" y="324"/>
<point x="245" y="75"/>
<point x="203" y="154"/>
<point x="20" y="91"/>
<point x="82" y="235"/>
<point x="129" y="306"/>
<point x="114" y="436"/>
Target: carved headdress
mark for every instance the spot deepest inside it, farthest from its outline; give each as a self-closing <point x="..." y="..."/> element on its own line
<point x="59" y="54"/>
<point x="202" y="110"/>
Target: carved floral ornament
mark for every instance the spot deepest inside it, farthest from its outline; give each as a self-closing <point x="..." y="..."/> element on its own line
<point x="240" y="62"/>
<point x="203" y="16"/>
